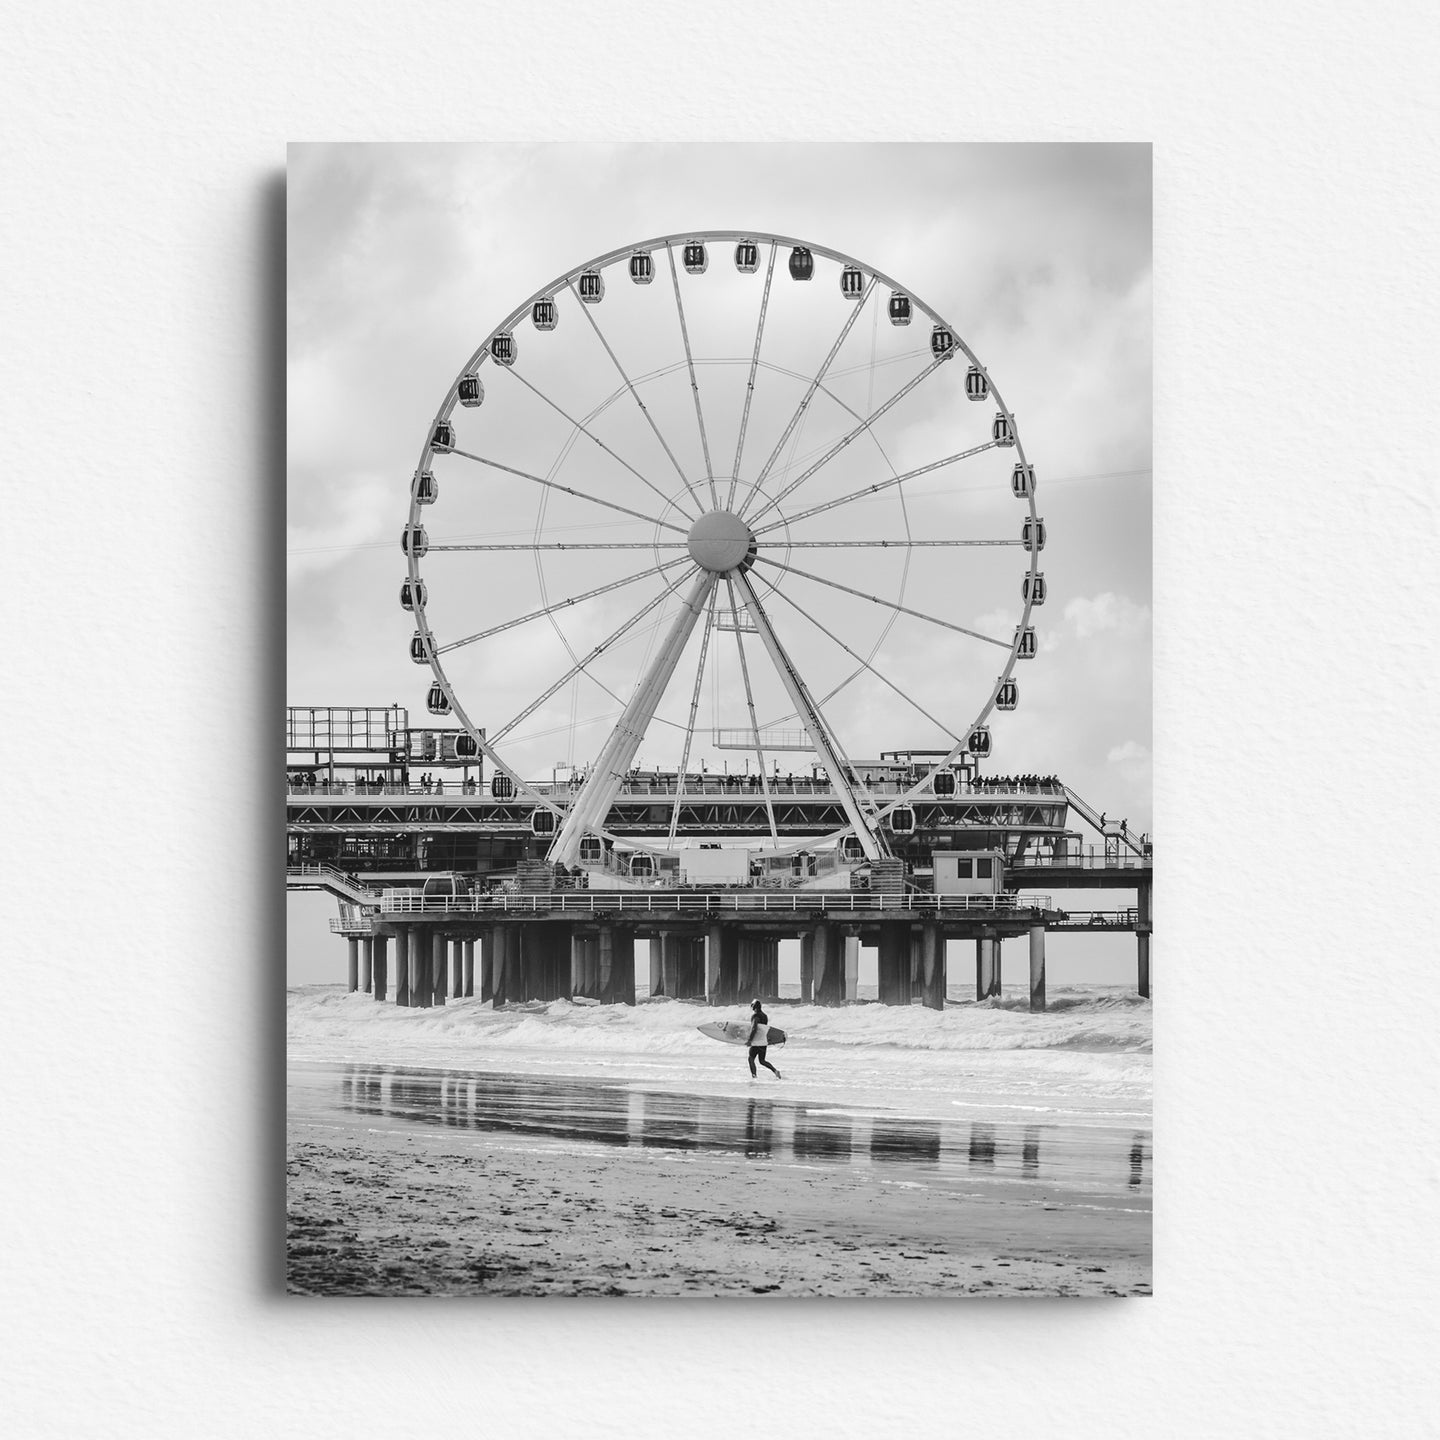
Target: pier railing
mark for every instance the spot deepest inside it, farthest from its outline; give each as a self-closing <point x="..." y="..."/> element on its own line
<point x="326" y="877"/>
<point x="604" y="902"/>
<point x="696" y="785"/>
<point x="1092" y="857"/>
<point x="1126" y="919"/>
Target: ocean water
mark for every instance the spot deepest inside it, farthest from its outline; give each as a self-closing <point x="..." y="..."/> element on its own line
<point x="1086" y="1061"/>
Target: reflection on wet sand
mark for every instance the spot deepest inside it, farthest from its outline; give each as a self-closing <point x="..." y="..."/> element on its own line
<point x="914" y="1141"/>
<point x="1030" y="1153"/>
<point x="563" y="1109"/>
<point x="982" y="1144"/>
<point x="820" y="1136"/>
<point x="1137" y="1160"/>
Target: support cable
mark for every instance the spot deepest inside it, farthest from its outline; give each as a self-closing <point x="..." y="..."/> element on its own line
<point x="750" y="383"/>
<point x="589" y="435"/>
<point x="889" y="604"/>
<point x="579" y="494"/>
<point x="635" y="395"/>
<point x="806" y="399"/>
<point x="845" y="439"/>
<point x="694" y="384"/>
<point x="754" y="719"/>
<point x="559" y="605"/>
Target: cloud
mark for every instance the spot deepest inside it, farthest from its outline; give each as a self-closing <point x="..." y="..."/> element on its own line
<point x="1131" y="750"/>
<point x="363" y="511"/>
<point x="1107" y="612"/>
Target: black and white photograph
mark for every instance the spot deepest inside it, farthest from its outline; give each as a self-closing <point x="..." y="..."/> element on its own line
<point x="609" y="609"/>
<point x="718" y="720"/>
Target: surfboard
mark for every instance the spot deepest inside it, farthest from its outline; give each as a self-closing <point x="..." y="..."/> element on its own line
<point x="737" y="1032"/>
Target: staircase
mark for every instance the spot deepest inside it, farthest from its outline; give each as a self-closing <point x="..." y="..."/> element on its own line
<point x="332" y="881"/>
<point x="1108" y="828"/>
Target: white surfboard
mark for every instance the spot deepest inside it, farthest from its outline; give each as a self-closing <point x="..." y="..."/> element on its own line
<point x="737" y="1032"/>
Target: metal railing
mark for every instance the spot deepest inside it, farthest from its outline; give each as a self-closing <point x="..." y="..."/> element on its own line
<point x="1092" y="857"/>
<point x="357" y="890"/>
<point x="1098" y="919"/>
<point x="349" y="927"/>
<point x="599" y="902"/>
<point x="665" y="785"/>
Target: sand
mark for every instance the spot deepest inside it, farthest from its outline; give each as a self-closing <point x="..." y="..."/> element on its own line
<point x="388" y="1201"/>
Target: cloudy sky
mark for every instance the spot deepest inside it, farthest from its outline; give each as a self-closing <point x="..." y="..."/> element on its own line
<point x="402" y="259"/>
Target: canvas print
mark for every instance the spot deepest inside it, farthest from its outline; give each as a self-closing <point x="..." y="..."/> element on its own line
<point x="718" y="729"/>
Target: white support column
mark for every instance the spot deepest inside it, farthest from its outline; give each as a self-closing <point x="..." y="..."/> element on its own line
<point x="813" y="722"/>
<point x="607" y="774"/>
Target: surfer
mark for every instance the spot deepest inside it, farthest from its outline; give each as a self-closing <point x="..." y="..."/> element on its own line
<point x="759" y="1039"/>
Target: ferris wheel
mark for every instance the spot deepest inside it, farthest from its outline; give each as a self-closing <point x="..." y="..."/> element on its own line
<point x="721" y="491"/>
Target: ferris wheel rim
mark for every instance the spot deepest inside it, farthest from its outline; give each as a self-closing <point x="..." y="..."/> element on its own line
<point x="599" y="263"/>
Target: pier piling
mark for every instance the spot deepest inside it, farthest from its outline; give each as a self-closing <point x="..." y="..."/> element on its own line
<point x="932" y="966"/>
<point x="894" y="963"/>
<point x="1037" y="967"/>
<point x="402" y="964"/>
<point x="505" y="963"/>
<point x="585" y="964"/>
<point x="382" y="945"/>
<point x="987" y="965"/>
<point x="827" y="958"/>
<point x="1142" y="940"/>
<point x="617" y="965"/>
<point x="419" y="968"/>
<point x="439" y="948"/>
<point x="713" y="944"/>
<point x="352" y="966"/>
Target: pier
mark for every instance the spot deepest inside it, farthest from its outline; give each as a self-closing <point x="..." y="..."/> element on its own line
<point x="444" y="890"/>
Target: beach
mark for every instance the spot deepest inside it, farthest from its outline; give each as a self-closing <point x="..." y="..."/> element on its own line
<point x="575" y="1150"/>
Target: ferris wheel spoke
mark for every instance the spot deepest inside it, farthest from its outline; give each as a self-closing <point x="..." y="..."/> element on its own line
<point x="694" y="710"/>
<point x="809" y="395"/>
<point x="878" y="544"/>
<point x="590" y="435"/>
<point x="694" y="384"/>
<point x="555" y="605"/>
<point x="579" y="494"/>
<point x="750" y="383"/>
<point x="635" y="395"/>
<point x="884" y="679"/>
<point x="754" y="719"/>
<point x="866" y="491"/>
<point x="888" y="604"/>
<point x="827" y="746"/>
<point x="574" y="545"/>
<point x="850" y="435"/>
<point x="618" y="633"/>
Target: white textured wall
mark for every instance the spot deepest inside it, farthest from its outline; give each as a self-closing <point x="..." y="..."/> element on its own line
<point x="140" y="457"/>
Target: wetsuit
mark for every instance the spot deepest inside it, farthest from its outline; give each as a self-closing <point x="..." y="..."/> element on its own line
<point x="760" y="1032"/>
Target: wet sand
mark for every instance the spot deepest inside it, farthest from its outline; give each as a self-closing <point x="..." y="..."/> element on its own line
<point x="405" y="1181"/>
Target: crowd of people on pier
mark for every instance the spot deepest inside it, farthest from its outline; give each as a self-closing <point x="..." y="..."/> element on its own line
<point x="427" y="784"/>
<point x="667" y="782"/>
<point x="1015" y="782"/>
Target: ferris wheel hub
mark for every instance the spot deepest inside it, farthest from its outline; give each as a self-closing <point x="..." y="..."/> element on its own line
<point x="720" y="541"/>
